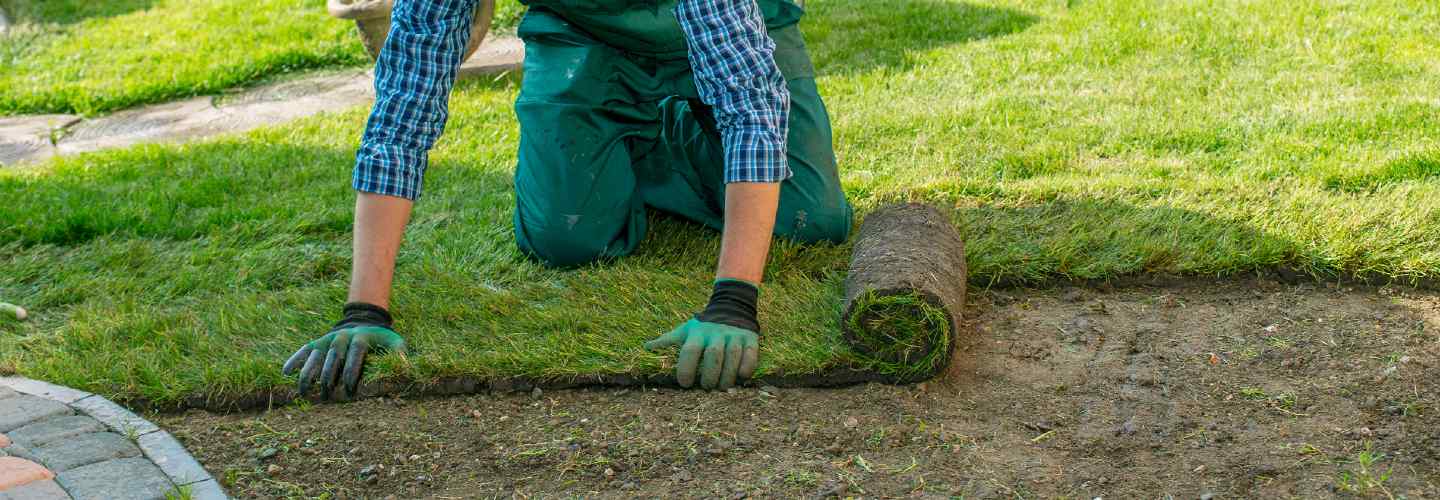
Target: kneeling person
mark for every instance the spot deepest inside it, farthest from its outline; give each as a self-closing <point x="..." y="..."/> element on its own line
<point x="702" y="108"/>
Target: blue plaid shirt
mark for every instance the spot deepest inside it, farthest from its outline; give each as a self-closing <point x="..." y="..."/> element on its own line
<point x="730" y="53"/>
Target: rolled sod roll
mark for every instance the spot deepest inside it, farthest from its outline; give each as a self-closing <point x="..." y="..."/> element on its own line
<point x="905" y="292"/>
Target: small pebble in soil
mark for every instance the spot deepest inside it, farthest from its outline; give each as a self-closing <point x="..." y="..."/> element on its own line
<point x="851" y="422"/>
<point x="1207" y="496"/>
<point x="536" y="393"/>
<point x="1126" y="428"/>
<point x="267" y="453"/>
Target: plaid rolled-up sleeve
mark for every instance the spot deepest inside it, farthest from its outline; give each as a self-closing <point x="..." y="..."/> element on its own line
<point x="413" y="78"/>
<point x="733" y="59"/>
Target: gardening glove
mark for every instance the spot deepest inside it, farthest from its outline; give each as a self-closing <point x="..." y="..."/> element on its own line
<point x="722" y="342"/>
<point x="341" y="353"/>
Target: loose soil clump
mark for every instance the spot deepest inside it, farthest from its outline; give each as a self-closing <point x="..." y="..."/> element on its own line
<point x="1229" y="389"/>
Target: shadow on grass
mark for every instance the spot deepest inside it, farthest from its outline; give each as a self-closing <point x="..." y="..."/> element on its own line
<point x="852" y="36"/>
<point x="1101" y="241"/>
<point x="165" y="192"/>
<point x="69" y="11"/>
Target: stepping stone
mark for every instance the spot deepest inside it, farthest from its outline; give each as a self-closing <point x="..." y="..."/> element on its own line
<point x="25" y="138"/>
<point x="85" y="449"/>
<point x="6" y="392"/>
<point x="48" y="431"/>
<point x="20" y="411"/>
<point x="17" y="471"/>
<point x="131" y="478"/>
<point x="29" y="138"/>
<point x="38" y="490"/>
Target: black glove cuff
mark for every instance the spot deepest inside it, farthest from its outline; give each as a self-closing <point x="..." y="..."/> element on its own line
<point x="364" y="314"/>
<point x="733" y="303"/>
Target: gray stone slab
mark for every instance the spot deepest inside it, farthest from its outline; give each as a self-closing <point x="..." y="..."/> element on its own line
<point x="6" y="392"/>
<point x="494" y="56"/>
<point x="130" y="478"/>
<point x="114" y="416"/>
<point x="20" y="411"/>
<point x="208" y="489"/>
<point x="38" y="490"/>
<point x="85" y="449"/>
<point x="47" y="431"/>
<point x="29" y="138"/>
<point x="26" y="138"/>
<point x="166" y="452"/>
<point x="44" y="389"/>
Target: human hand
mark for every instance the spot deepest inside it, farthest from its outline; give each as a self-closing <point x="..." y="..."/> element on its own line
<point x="339" y="356"/>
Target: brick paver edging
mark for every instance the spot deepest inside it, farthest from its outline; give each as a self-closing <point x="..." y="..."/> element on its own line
<point x="58" y="443"/>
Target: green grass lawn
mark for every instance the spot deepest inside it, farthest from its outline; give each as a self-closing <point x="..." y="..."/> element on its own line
<point x="89" y="57"/>
<point x="1104" y="139"/>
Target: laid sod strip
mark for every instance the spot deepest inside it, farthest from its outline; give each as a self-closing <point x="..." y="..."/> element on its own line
<point x="905" y="292"/>
<point x="1107" y="140"/>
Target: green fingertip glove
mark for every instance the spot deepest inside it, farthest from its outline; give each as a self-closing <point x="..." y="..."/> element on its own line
<point x="339" y="356"/>
<point x="722" y="343"/>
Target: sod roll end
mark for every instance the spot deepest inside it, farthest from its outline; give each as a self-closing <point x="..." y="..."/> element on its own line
<point x="905" y="292"/>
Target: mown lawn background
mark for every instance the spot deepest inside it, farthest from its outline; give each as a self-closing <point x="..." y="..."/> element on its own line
<point x="90" y="57"/>
<point x="1101" y="139"/>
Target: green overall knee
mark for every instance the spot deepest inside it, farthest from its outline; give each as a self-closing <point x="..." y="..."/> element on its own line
<point x="596" y="118"/>
<point x="574" y="186"/>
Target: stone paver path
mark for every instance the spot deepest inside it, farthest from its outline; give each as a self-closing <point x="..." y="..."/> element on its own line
<point x="31" y="138"/>
<point x="57" y="443"/>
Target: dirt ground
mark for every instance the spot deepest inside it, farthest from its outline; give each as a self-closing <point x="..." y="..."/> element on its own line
<point x="1230" y="389"/>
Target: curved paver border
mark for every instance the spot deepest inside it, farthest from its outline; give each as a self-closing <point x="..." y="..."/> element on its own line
<point x="157" y="446"/>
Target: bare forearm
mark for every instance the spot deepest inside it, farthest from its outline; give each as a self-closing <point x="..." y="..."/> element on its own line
<point x="379" y="228"/>
<point x="749" y="222"/>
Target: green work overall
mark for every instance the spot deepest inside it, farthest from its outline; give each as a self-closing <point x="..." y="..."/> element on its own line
<point x="611" y="121"/>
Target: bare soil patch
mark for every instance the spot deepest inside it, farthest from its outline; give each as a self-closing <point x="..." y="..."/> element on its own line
<point x="1231" y="389"/>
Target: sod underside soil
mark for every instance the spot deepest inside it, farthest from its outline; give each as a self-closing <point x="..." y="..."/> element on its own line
<point x="1093" y="142"/>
